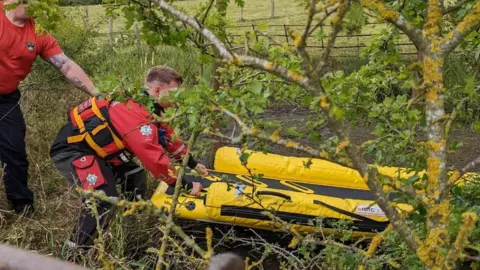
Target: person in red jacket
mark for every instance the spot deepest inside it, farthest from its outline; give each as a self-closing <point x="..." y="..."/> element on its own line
<point x="20" y="45"/>
<point x="95" y="148"/>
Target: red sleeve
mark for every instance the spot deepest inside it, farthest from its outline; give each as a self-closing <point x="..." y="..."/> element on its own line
<point x="49" y="46"/>
<point x="143" y="142"/>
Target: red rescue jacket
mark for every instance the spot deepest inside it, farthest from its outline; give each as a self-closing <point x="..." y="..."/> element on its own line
<point x="116" y="130"/>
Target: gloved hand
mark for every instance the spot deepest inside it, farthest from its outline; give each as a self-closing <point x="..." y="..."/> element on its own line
<point x="193" y="188"/>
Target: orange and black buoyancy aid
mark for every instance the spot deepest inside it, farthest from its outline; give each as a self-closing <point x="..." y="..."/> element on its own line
<point x="91" y="119"/>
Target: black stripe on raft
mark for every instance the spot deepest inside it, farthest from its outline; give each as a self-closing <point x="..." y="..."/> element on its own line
<point x="338" y="192"/>
<point x="341" y="211"/>
<point x="367" y="225"/>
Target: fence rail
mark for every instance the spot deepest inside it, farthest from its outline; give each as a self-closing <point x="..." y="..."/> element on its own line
<point x="346" y="45"/>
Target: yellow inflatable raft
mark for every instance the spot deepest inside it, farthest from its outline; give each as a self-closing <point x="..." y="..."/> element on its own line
<point x="227" y="159"/>
<point x="301" y="196"/>
<point x="239" y="200"/>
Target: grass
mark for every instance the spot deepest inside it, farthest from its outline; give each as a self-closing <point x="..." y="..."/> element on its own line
<point x="288" y="15"/>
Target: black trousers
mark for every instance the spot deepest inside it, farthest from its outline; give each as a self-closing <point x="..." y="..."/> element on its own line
<point x="131" y="177"/>
<point x="13" y="155"/>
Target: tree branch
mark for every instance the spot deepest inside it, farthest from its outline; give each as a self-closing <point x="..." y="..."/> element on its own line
<point x="467" y="25"/>
<point x="336" y="27"/>
<point x="171" y="214"/>
<point x="376" y="241"/>
<point x="392" y="16"/>
<point x="276" y="139"/>
<point x="453" y="116"/>
<point x="468" y="224"/>
<point x="327" y="14"/>
<point x="144" y="205"/>
<point x="456" y="7"/>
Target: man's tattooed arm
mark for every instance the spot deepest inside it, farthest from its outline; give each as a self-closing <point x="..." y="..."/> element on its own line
<point x="73" y="72"/>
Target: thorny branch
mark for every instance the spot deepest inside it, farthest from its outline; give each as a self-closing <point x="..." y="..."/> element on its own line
<point x="337" y="125"/>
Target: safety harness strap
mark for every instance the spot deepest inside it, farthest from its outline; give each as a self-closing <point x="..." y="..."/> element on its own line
<point x="87" y="136"/>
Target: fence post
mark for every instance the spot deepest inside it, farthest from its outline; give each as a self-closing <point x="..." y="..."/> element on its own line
<point x="110" y="30"/>
<point x="87" y="18"/>
<point x="358" y="47"/>
<point x="255" y="32"/>
<point x="137" y="34"/>
<point x="286" y="33"/>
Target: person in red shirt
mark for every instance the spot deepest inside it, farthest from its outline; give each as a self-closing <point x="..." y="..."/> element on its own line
<point x="19" y="47"/>
<point x="95" y="148"/>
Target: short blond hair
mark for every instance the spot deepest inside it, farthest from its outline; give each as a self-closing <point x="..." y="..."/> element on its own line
<point x="163" y="74"/>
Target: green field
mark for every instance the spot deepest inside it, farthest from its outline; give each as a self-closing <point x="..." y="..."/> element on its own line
<point x="256" y="13"/>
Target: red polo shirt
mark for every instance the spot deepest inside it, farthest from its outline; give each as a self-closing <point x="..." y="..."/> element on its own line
<point x="19" y="47"/>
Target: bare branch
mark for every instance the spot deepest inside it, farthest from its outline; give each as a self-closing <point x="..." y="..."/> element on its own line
<point x="276" y="139"/>
<point x="456" y="7"/>
<point x="272" y="39"/>
<point x="169" y="222"/>
<point x="144" y="205"/>
<point x="301" y="41"/>
<point x="218" y="134"/>
<point x="328" y="12"/>
<point x="336" y="27"/>
<point x="219" y="46"/>
<point x="392" y="16"/>
<point x="376" y="241"/>
<point x="470" y="166"/>
<point x="381" y="198"/>
<point x="453" y="116"/>
<point x="467" y="25"/>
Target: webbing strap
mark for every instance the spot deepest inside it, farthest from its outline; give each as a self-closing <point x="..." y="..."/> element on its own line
<point x="78" y="119"/>
<point x="100" y="152"/>
<point x="117" y="141"/>
<point x="99" y="128"/>
<point x="76" y="138"/>
<point x="95" y="109"/>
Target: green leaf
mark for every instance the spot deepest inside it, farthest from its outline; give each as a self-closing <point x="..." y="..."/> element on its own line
<point x="262" y="27"/>
<point x="476" y="125"/>
<point x="256" y="87"/>
<point x="320" y="34"/>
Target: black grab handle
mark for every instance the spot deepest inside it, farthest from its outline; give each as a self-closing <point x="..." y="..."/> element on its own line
<point x="273" y="193"/>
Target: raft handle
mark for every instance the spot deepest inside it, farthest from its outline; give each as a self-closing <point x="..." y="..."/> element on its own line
<point x="273" y="193"/>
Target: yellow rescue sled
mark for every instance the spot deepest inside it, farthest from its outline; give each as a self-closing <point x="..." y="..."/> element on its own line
<point x="240" y="200"/>
<point x="307" y="198"/>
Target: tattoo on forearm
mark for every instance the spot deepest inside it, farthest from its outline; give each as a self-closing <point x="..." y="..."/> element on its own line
<point x="78" y="83"/>
<point x="58" y="60"/>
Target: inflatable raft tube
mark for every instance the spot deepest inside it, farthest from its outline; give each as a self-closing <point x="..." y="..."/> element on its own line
<point x="238" y="200"/>
<point x="227" y="159"/>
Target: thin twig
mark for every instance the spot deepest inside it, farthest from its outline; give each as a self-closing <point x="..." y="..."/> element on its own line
<point x="171" y="214"/>
<point x="456" y="7"/>
<point x="470" y="22"/>
<point x="336" y="27"/>
<point x="453" y="116"/>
